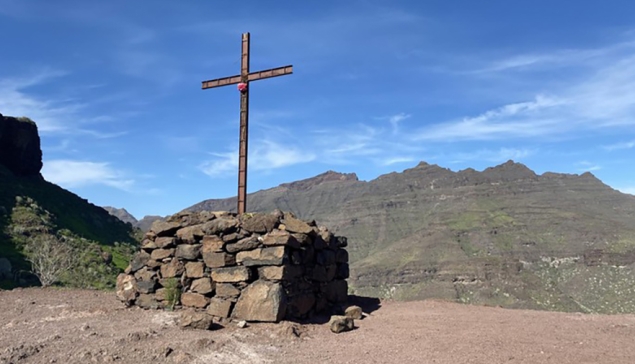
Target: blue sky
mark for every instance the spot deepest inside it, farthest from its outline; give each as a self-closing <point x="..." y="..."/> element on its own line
<point x="378" y="86"/>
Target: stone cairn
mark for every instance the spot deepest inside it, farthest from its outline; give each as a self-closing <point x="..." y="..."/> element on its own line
<point x="252" y="267"/>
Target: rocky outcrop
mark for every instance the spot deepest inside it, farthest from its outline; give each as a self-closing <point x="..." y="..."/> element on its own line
<point x="251" y="267"/>
<point x="121" y="214"/>
<point x="20" y="149"/>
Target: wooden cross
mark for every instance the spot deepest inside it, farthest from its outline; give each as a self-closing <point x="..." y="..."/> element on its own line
<point x="243" y="80"/>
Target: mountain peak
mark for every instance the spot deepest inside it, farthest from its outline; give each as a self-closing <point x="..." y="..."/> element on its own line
<point x="328" y="176"/>
<point x="509" y="171"/>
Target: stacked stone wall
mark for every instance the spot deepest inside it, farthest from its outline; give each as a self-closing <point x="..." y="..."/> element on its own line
<point x="252" y="267"/>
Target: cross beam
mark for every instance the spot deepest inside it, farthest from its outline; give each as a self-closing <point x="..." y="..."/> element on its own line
<point x="245" y="77"/>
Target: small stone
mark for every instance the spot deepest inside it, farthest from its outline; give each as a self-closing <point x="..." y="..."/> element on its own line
<point x="126" y="288"/>
<point x="218" y="260"/>
<point x="226" y="290"/>
<point x="194" y="300"/>
<point x="354" y="312"/>
<point x="339" y="324"/>
<point x="262" y="256"/>
<point x="220" y="225"/>
<point x="242" y="324"/>
<point x="147" y="301"/>
<point x="165" y="242"/>
<point x="195" y="320"/>
<point x="212" y="243"/>
<point x="146" y="287"/>
<point x="231" y="274"/>
<point x="138" y="261"/>
<point x="172" y="269"/>
<point x="191" y="234"/>
<point x="148" y="244"/>
<point x="280" y="237"/>
<point x="219" y="307"/>
<point x="278" y="273"/>
<point x="295" y="225"/>
<point x="249" y="243"/>
<point x="159" y="254"/>
<point x="188" y="251"/>
<point x="202" y="286"/>
<point x="259" y="223"/>
<point x="164" y="228"/>
<point x="194" y="269"/>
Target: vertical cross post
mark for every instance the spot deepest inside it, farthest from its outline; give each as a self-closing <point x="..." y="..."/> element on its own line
<point x="244" y="127"/>
<point x="243" y="80"/>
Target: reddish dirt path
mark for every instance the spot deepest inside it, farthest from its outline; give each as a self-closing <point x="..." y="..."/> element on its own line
<point x="74" y="326"/>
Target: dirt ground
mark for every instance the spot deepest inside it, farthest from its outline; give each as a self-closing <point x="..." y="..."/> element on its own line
<point x="74" y="326"/>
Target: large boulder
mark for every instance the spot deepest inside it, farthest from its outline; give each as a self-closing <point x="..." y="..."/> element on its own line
<point x="261" y="301"/>
<point x="20" y="146"/>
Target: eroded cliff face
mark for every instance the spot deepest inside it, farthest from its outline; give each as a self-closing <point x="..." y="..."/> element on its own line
<point x="20" y="149"/>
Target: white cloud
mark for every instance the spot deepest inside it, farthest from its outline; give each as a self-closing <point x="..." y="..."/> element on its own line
<point x="395" y="160"/>
<point x="496" y="156"/>
<point x="586" y="166"/>
<point x="265" y="156"/>
<point x="625" y="145"/>
<point x="396" y="119"/>
<point x="70" y="173"/>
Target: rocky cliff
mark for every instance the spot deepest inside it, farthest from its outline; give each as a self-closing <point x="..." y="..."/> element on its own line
<point x="502" y="236"/>
<point x="20" y="149"/>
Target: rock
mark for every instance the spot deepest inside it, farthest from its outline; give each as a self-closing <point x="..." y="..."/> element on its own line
<point x="262" y="256"/>
<point x="172" y="269"/>
<point x="219" y="307"/>
<point x="194" y="269"/>
<point x="231" y="274"/>
<point x="249" y="243"/>
<point x="303" y="239"/>
<point x="126" y="288"/>
<point x="226" y="290"/>
<point x="165" y="242"/>
<point x="281" y="238"/>
<point x="277" y="273"/>
<point x="20" y="149"/>
<point x="337" y="291"/>
<point x="138" y="261"/>
<point x="148" y="245"/>
<point x="146" y="287"/>
<point x="212" y="244"/>
<point x="343" y="271"/>
<point x="341" y="241"/>
<point x="341" y="256"/>
<point x="188" y="251"/>
<point x="354" y="312"/>
<point x="190" y="234"/>
<point x="339" y="324"/>
<point x="202" y="285"/>
<point x="195" y="320"/>
<point x="299" y="306"/>
<point x="218" y="260"/>
<point x="159" y="294"/>
<point x="259" y="223"/>
<point x="242" y="324"/>
<point x="165" y="228"/>
<point x="326" y="257"/>
<point x="194" y="300"/>
<point x="331" y="272"/>
<point x="160" y="254"/>
<point x="319" y="274"/>
<point x="220" y="225"/>
<point x="261" y="301"/>
<point x="147" y="301"/>
<point x="296" y="225"/>
<point x="5" y="268"/>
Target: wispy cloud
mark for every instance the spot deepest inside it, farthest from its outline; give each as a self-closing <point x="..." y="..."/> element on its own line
<point x="599" y="96"/>
<point x="72" y="173"/>
<point x="624" y="145"/>
<point x="264" y="156"/>
<point x="495" y="156"/>
<point x="586" y="166"/>
<point x="396" y="119"/>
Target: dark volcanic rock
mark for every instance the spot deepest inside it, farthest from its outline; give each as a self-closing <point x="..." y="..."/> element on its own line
<point x="20" y="146"/>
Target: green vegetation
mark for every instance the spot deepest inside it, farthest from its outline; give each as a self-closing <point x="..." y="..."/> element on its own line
<point x="172" y="293"/>
<point x="40" y="220"/>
